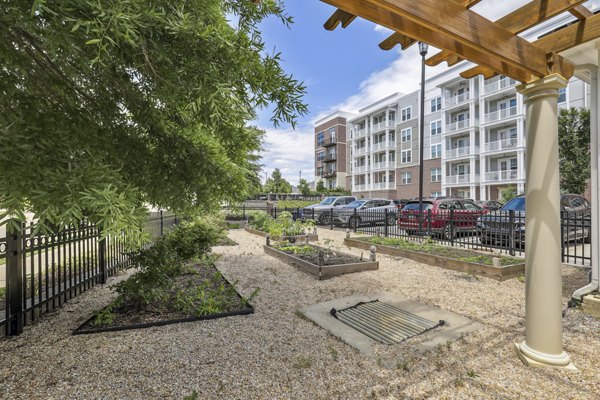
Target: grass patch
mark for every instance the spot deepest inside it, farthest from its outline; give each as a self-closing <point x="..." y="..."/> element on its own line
<point x="282" y="204"/>
<point x="429" y="247"/>
<point x="302" y="362"/>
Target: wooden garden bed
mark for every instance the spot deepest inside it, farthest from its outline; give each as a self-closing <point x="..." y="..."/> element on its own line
<point x="499" y="273"/>
<point x="336" y="265"/>
<point x="297" y="238"/>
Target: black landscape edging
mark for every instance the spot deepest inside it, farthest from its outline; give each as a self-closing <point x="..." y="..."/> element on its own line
<point x="78" y="331"/>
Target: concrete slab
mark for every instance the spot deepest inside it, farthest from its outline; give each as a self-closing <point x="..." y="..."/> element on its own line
<point x="591" y="305"/>
<point x="455" y="325"/>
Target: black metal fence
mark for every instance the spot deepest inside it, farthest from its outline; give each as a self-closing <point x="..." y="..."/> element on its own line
<point x="491" y="230"/>
<point x="39" y="273"/>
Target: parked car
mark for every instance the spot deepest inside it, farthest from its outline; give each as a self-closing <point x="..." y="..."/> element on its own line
<point x="322" y="210"/>
<point x="449" y="216"/>
<point x="400" y="203"/>
<point x="366" y="211"/>
<point x="498" y="227"/>
<point x="492" y="205"/>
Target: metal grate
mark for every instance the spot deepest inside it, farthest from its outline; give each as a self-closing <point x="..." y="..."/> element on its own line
<point x="384" y="323"/>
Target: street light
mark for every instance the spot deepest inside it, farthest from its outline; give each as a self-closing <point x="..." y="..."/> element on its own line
<point x="423" y="47"/>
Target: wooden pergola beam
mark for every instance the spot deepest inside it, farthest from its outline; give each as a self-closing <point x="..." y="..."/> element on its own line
<point x="339" y="17"/>
<point x="405" y="42"/>
<point x="581" y="12"/>
<point x="450" y="26"/>
<point x="563" y="39"/>
<point x="521" y="19"/>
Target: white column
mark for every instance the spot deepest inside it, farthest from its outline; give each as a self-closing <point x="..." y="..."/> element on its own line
<point x="543" y="279"/>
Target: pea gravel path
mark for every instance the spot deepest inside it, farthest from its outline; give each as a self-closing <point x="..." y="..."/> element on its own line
<point x="277" y="354"/>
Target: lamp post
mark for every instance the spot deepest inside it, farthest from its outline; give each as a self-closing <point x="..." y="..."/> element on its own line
<point x="423" y="47"/>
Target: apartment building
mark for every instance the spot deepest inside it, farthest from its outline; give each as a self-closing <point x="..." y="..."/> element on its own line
<point x="475" y="138"/>
<point x="330" y="150"/>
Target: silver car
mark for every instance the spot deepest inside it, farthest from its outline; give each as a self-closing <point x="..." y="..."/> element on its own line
<point x="366" y="211"/>
<point x="321" y="212"/>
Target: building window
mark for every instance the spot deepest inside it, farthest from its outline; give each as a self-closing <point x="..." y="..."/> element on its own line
<point x="320" y="139"/>
<point x="406" y="156"/>
<point x="406" y="113"/>
<point x="562" y="95"/>
<point x="436" y="150"/>
<point x="436" y="175"/>
<point x="436" y="194"/>
<point x="320" y="171"/>
<point x="436" y="127"/>
<point x="436" y="104"/>
<point x="320" y="155"/>
<point x="406" y="135"/>
<point x="406" y="178"/>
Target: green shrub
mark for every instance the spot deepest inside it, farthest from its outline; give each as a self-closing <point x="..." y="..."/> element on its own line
<point x="282" y="204"/>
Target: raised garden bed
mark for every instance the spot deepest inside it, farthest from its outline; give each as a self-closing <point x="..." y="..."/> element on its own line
<point x="445" y="257"/>
<point x="297" y="238"/>
<point x="201" y="294"/>
<point x="306" y="259"/>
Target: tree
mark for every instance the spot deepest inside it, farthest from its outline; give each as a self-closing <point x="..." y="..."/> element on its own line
<point x="508" y="193"/>
<point x="276" y="183"/>
<point x="106" y="106"/>
<point x="574" y="149"/>
<point x="303" y="187"/>
<point x="320" y="187"/>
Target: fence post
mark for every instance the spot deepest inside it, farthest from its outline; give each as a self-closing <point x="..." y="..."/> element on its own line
<point x="275" y="212"/>
<point x="162" y="223"/>
<point x="429" y="215"/>
<point x="452" y="228"/>
<point x="244" y="211"/>
<point x="102" y="256"/>
<point x="331" y="219"/>
<point x="385" y="230"/>
<point x="355" y="227"/>
<point x="14" y="278"/>
<point x="511" y="237"/>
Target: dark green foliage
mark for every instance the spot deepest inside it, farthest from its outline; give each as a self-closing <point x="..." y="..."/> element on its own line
<point x="109" y="105"/>
<point x="508" y="193"/>
<point x="574" y="149"/>
<point x="276" y="183"/>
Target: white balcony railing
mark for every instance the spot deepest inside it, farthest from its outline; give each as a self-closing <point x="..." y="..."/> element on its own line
<point x="384" y="186"/>
<point x="461" y="98"/>
<point x="500" y="114"/>
<point x="360" y="169"/>
<point x="360" y="132"/>
<point x="462" y="179"/>
<point x="499" y="145"/>
<point x="359" y="188"/>
<point x="382" y="125"/>
<point x="384" y="165"/>
<point x="360" y="150"/>
<point x="461" y="152"/>
<point x="499" y="176"/>
<point x="498" y="85"/>
<point x="384" y="145"/>
<point x="458" y="126"/>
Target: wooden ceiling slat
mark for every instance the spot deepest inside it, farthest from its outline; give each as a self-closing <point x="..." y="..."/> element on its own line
<point x="397" y="38"/>
<point x="581" y="12"/>
<point x="525" y="17"/>
<point x="339" y="17"/>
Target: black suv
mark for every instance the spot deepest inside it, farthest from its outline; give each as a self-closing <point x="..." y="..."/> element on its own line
<point x="498" y="227"/>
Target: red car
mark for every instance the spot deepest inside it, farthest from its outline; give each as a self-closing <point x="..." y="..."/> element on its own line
<point x="445" y="217"/>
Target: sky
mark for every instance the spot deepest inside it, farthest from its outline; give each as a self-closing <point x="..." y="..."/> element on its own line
<point x="342" y="70"/>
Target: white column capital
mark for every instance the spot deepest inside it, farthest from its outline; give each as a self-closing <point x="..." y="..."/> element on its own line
<point x="546" y="86"/>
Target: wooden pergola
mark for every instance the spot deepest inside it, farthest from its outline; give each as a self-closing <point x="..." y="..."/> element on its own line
<point x="495" y="47"/>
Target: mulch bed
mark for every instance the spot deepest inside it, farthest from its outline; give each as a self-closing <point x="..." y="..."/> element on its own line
<point x="129" y="316"/>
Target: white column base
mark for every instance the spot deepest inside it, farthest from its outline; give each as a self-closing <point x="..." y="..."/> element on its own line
<point x="532" y="358"/>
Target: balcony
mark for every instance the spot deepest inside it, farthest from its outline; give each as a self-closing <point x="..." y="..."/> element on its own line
<point x="330" y="157"/>
<point x="459" y="126"/>
<point x="360" y="133"/>
<point x="384" y="186"/>
<point x="329" y="142"/>
<point x="360" y="151"/>
<point x="456" y="100"/>
<point x="360" y="169"/>
<point x="502" y="145"/>
<point x="462" y="179"/>
<point x="389" y="145"/>
<point x="329" y="174"/>
<point x="500" y="114"/>
<point x="359" y="188"/>
<point x="501" y="176"/>
<point x="461" y="152"/>
<point x="499" y="85"/>
<point x="382" y="125"/>
<point x="384" y="165"/>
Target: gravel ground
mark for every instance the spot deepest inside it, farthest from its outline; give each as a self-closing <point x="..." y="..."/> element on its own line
<point x="277" y="354"/>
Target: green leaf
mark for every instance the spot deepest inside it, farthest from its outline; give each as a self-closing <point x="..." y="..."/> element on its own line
<point x="93" y="41"/>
